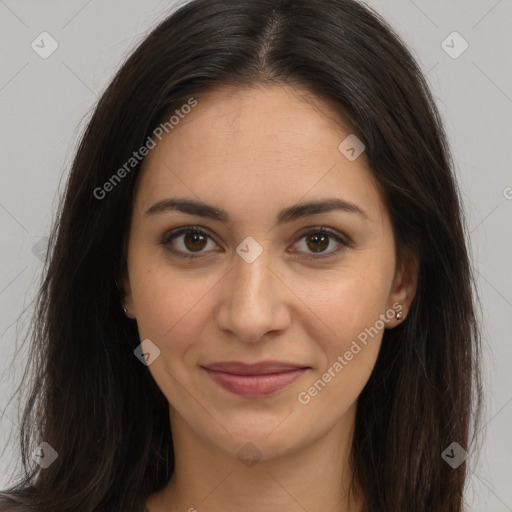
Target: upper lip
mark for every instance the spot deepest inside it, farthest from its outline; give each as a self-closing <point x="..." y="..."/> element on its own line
<point x="261" y="368"/>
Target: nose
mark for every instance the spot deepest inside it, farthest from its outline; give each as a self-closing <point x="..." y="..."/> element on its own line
<point x="253" y="301"/>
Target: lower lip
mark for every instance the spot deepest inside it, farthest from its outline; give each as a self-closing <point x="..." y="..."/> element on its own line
<point x="255" y="386"/>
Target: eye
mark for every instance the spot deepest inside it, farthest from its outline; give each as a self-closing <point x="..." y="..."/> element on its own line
<point x="193" y="239"/>
<point x="319" y="239"/>
<point x="189" y="242"/>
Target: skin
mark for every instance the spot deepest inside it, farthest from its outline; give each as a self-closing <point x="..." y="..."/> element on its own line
<point x="254" y="152"/>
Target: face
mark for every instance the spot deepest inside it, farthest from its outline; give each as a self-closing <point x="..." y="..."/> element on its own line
<point x="307" y="293"/>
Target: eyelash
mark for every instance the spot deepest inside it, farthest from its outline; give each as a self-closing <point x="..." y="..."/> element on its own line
<point x="171" y="235"/>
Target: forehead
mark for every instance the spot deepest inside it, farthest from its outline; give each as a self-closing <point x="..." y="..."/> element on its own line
<point x="274" y="144"/>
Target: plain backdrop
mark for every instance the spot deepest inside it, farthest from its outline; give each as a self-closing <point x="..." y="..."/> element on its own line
<point x="45" y="104"/>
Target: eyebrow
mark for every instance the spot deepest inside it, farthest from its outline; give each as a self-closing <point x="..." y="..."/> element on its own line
<point x="289" y="214"/>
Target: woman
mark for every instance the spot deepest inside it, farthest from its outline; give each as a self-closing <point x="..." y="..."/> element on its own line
<point x="258" y="293"/>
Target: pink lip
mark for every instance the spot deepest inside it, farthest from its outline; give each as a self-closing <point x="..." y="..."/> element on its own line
<point x="254" y="380"/>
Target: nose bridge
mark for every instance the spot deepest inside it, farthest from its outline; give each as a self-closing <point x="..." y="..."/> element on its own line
<point x="252" y="277"/>
<point x="252" y="304"/>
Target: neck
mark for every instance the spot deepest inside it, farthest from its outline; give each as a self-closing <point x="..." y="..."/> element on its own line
<point x="315" y="478"/>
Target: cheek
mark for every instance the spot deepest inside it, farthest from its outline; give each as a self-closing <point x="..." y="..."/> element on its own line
<point x="171" y="313"/>
<point x="350" y="304"/>
<point x="171" y="309"/>
<point x="352" y="311"/>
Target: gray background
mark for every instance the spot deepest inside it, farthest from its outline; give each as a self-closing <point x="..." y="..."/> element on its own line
<point x="45" y="104"/>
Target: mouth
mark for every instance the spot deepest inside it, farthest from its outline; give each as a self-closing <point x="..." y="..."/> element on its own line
<point x="254" y="380"/>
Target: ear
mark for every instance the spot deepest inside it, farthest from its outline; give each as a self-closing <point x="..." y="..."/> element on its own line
<point x="126" y="294"/>
<point x="403" y="288"/>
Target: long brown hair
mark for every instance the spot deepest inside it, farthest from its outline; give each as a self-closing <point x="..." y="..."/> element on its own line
<point x="93" y="401"/>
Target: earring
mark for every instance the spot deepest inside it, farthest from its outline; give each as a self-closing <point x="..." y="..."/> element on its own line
<point x="120" y="296"/>
<point x="399" y="314"/>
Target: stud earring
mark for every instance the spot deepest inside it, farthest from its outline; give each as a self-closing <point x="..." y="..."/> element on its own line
<point x="399" y="314"/>
<point x="120" y="296"/>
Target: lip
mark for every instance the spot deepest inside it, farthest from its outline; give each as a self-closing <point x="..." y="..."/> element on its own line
<point x="254" y="380"/>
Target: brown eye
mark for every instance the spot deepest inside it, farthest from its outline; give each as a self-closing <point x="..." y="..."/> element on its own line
<point x="184" y="242"/>
<point x="317" y="242"/>
<point x="194" y="241"/>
